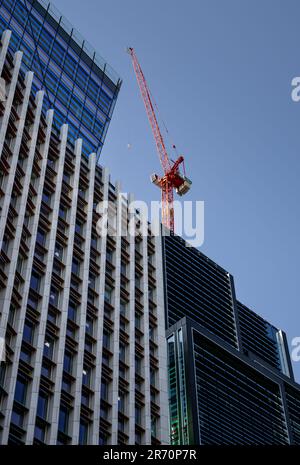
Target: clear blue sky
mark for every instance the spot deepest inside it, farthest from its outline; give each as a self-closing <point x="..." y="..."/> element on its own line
<point x="221" y="73"/>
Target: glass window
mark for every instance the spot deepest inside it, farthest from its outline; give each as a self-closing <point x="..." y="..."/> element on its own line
<point x="28" y="332"/>
<point x="91" y="297"/>
<point x="49" y="347"/>
<point x="105" y="359"/>
<point x="122" y="324"/>
<point x="102" y="439"/>
<point x="153" y="425"/>
<point x="33" y="301"/>
<point x="123" y="307"/>
<point x="76" y="107"/>
<point x="151" y="332"/>
<point x="70" y="65"/>
<point x="138" y="365"/>
<point x="57" y="268"/>
<point x="46" y="198"/>
<point x="98" y="128"/>
<point x="85" y="399"/>
<point x="92" y="90"/>
<point x="78" y="227"/>
<point x="121" y="425"/>
<point x="21" y="390"/>
<point x="76" y="266"/>
<point x="17" y="418"/>
<point x="137" y="320"/>
<point x="152" y="376"/>
<point x="74" y="284"/>
<point x="151" y="294"/>
<point x="57" y="52"/>
<point x="83" y="433"/>
<point x="94" y="241"/>
<point x="138" y="437"/>
<point x="63" y="421"/>
<point x="63" y="212"/>
<point x="42" y="406"/>
<point x="87" y="118"/>
<point x="123" y="268"/>
<point x="92" y="281"/>
<point x="54" y="297"/>
<point x="51" y="81"/>
<point x="35" y="281"/>
<point x="109" y="255"/>
<point x="25" y="355"/>
<point x="104" y="412"/>
<point x="121" y="402"/>
<point x="106" y="339"/>
<point x="86" y="376"/>
<point x="153" y="396"/>
<point x="41" y="237"/>
<point x="138" y="415"/>
<point x="71" y="331"/>
<point x="89" y="325"/>
<point x="58" y="251"/>
<point x="45" y="40"/>
<point x="66" y="384"/>
<point x="52" y="316"/>
<point x="138" y="281"/>
<point x="67" y="179"/>
<point x="122" y="371"/>
<point x="88" y="346"/>
<point x="39" y="433"/>
<point x="122" y="349"/>
<point x="68" y="362"/>
<point x="72" y="311"/>
<point x="104" y="390"/>
<point x="46" y="370"/>
<point x="108" y="294"/>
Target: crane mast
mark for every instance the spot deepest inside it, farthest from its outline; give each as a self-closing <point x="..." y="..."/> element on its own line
<point x="171" y="179"/>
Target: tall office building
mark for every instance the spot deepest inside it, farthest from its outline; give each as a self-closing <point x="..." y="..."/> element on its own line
<point x="82" y="315"/>
<point x="230" y="374"/>
<point x="78" y="83"/>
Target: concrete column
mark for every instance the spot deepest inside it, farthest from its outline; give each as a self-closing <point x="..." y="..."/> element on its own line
<point x="99" y="328"/>
<point x="13" y="265"/>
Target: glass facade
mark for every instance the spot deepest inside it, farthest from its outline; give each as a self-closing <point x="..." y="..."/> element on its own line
<point x="293" y="406"/>
<point x="228" y="399"/>
<point x="237" y="405"/>
<point x="229" y="370"/>
<point x="259" y="337"/>
<point x="198" y="288"/>
<point x="78" y="83"/>
<point x="177" y="384"/>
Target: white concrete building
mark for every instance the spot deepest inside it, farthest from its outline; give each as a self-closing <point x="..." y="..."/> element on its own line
<point x="82" y="315"/>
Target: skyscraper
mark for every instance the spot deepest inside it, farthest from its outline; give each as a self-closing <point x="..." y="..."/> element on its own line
<point x="82" y="315"/>
<point x="78" y="83"/>
<point x="230" y="374"/>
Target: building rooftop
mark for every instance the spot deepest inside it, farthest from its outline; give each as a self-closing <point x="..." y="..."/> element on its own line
<point x="47" y="7"/>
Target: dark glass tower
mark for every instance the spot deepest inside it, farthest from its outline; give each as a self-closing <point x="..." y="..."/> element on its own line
<point x="230" y="374"/>
<point x="79" y="84"/>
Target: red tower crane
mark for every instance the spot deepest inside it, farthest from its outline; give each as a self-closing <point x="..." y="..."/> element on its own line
<point x="172" y="178"/>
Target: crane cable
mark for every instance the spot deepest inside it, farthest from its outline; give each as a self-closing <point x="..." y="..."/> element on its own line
<point x="163" y="123"/>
